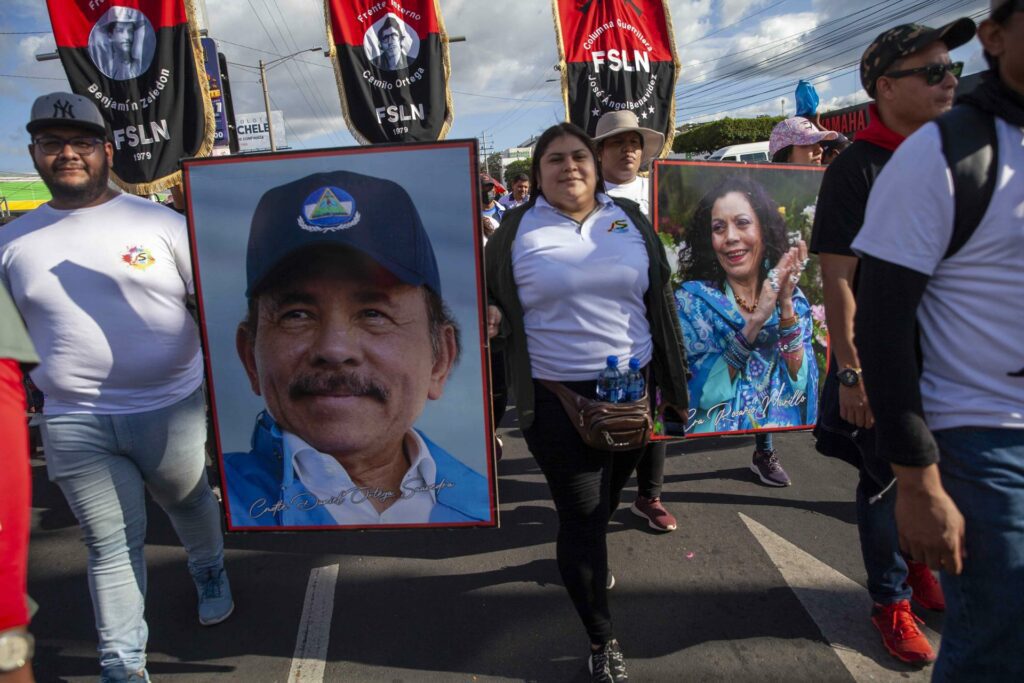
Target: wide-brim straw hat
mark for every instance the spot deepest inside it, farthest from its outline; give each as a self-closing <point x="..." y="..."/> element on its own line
<point x="625" y="121"/>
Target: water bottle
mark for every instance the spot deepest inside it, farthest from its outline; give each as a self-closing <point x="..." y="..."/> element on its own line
<point x="634" y="381"/>
<point x="611" y="386"/>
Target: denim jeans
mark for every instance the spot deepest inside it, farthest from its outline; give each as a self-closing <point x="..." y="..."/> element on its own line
<point x="764" y="441"/>
<point x="103" y="463"/>
<point x="983" y="637"/>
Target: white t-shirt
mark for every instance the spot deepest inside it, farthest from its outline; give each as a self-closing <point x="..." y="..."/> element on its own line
<point x="970" y="316"/>
<point x="349" y="503"/>
<point x="582" y="289"/>
<point x="102" y="291"/>
<point x="638" y="189"/>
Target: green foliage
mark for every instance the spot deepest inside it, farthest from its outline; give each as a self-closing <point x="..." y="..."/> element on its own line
<point x="518" y="166"/>
<point x="493" y="166"/>
<point x="714" y="135"/>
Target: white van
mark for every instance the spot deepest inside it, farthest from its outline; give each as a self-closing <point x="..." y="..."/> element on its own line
<point x="750" y="152"/>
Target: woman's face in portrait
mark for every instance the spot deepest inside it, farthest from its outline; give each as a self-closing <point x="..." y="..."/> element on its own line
<point x="736" y="236"/>
<point x="568" y="175"/>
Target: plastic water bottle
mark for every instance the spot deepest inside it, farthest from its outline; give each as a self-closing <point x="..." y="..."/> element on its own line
<point x="634" y="381"/>
<point x="611" y="385"/>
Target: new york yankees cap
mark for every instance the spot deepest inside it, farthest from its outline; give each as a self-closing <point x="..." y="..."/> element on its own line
<point x="66" y="109"/>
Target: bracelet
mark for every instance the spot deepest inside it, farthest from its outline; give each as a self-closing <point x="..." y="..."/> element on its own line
<point x="788" y="322"/>
<point x="738" y="351"/>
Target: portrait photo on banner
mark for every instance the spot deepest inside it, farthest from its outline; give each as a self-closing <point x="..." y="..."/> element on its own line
<point x="749" y="295"/>
<point x="339" y="295"/>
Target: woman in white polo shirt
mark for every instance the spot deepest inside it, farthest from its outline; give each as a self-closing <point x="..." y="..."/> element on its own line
<point x="576" y="277"/>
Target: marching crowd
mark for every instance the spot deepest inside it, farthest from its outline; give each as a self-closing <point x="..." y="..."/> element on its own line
<point x="919" y="229"/>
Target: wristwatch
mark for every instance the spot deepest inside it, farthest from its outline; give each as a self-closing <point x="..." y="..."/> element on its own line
<point x="849" y="377"/>
<point x="16" y="648"/>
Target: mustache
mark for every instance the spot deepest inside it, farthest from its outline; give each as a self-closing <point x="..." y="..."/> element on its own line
<point x="334" y="382"/>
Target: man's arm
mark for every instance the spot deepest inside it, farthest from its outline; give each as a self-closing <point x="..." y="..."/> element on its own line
<point x="837" y="274"/>
<point x="931" y="529"/>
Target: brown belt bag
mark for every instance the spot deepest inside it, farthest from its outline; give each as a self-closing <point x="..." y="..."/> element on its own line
<point x="606" y="426"/>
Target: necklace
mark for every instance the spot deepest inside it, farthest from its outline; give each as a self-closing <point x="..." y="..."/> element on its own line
<point x="744" y="305"/>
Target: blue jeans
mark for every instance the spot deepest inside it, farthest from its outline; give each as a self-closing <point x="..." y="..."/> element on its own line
<point x="983" y="637"/>
<point x="103" y="464"/>
<point x="763" y="441"/>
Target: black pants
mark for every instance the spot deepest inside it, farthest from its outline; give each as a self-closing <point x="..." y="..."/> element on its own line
<point x="650" y="471"/>
<point x="585" y="485"/>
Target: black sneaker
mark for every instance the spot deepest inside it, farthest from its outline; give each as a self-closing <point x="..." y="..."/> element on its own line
<point x="607" y="665"/>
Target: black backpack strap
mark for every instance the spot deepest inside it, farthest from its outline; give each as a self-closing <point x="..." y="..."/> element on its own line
<point x="971" y="149"/>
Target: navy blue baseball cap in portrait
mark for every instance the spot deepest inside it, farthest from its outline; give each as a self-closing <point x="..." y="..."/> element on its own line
<point x="373" y="216"/>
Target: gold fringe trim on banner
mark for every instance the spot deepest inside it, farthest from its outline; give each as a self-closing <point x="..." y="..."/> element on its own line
<point x="332" y="51"/>
<point x="210" y="125"/>
<point x="563" y="65"/>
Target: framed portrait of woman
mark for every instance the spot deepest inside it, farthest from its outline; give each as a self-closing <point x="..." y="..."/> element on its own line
<point x="749" y="295"/>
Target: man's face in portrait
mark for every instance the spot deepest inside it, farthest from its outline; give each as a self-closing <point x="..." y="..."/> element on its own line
<point x="122" y="36"/>
<point x="391" y="44"/>
<point x="343" y="353"/>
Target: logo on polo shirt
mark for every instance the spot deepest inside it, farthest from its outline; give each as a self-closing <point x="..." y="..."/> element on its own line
<point x="328" y="209"/>
<point x="619" y="226"/>
<point x="138" y="257"/>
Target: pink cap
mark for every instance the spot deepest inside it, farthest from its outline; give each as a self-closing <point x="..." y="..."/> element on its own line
<point x="796" y="130"/>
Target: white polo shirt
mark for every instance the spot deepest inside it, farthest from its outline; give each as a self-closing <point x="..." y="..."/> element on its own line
<point x="582" y="288"/>
<point x="350" y="503"/>
<point x="972" y="338"/>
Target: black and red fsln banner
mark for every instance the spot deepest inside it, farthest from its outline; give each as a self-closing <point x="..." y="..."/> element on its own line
<point x="138" y="62"/>
<point x="617" y="54"/>
<point x="391" y="61"/>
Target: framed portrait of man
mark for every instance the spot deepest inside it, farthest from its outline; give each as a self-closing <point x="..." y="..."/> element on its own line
<point x="748" y="293"/>
<point x="340" y="302"/>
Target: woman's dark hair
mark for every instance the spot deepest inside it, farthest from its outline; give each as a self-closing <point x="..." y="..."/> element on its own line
<point x="545" y="140"/>
<point x="698" y="260"/>
<point x="782" y="156"/>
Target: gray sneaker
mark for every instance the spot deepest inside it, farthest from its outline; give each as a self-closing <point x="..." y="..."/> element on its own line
<point x="766" y="466"/>
<point x="215" y="603"/>
<point x="140" y="676"/>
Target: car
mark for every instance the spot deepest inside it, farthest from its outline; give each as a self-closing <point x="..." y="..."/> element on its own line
<point x="749" y="152"/>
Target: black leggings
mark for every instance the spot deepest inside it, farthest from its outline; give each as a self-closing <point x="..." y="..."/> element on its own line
<point x="585" y="485"/>
<point x="650" y="471"/>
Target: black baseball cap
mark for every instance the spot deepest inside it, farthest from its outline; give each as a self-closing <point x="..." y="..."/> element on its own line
<point x="66" y="109"/>
<point x="373" y="216"/>
<point x="903" y="41"/>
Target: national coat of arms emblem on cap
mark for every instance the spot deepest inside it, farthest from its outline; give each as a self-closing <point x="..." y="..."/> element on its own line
<point x="328" y="209"/>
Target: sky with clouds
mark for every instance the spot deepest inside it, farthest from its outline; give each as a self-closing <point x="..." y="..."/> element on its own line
<point x="739" y="57"/>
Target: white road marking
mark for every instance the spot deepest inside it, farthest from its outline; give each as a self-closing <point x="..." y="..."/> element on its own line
<point x="315" y="627"/>
<point x="840" y="607"/>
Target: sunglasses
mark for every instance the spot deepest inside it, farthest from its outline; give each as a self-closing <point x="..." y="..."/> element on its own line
<point x="82" y="145"/>
<point x="933" y="73"/>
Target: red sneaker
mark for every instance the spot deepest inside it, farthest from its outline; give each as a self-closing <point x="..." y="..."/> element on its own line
<point x="900" y="634"/>
<point x="651" y="509"/>
<point x="927" y="591"/>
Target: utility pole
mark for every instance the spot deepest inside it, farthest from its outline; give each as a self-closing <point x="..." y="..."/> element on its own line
<point x="264" y="68"/>
<point x="266" y="105"/>
<point x="485" y="153"/>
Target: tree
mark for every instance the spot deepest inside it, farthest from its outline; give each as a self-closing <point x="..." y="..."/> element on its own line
<point x="714" y="135"/>
<point x="493" y="166"/>
<point x="518" y="166"/>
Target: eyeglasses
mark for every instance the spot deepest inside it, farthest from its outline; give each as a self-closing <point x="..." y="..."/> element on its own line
<point x="933" y="73"/>
<point x="83" y="145"/>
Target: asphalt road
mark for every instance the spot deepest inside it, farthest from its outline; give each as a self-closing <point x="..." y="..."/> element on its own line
<point x="758" y="584"/>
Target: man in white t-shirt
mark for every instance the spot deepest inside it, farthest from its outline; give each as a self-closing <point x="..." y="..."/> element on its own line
<point x="102" y="280"/>
<point x="963" y="514"/>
